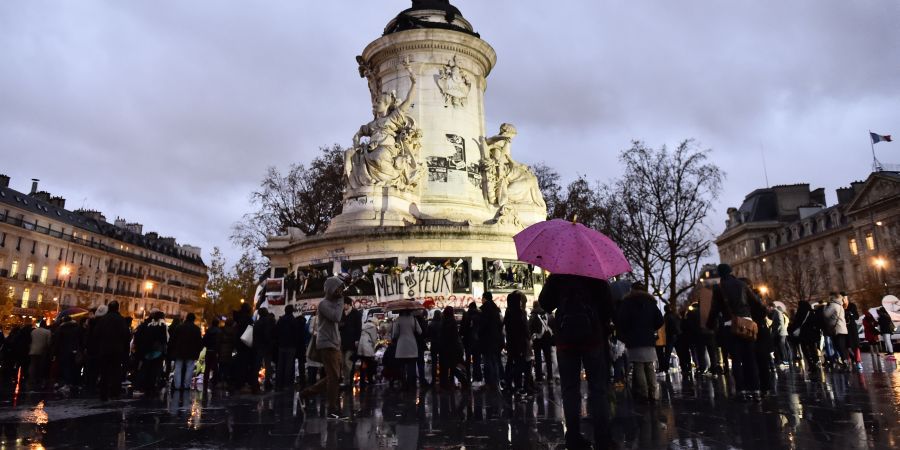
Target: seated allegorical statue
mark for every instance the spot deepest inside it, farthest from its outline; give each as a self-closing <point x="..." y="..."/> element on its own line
<point x="390" y="155"/>
<point x="509" y="182"/>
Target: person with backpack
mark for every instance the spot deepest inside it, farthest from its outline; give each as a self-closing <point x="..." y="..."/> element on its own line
<point x="515" y="327"/>
<point x="542" y="343"/>
<point x="186" y="348"/>
<point x="804" y="331"/>
<point x="887" y="328"/>
<point x="637" y="320"/>
<point x="583" y="310"/>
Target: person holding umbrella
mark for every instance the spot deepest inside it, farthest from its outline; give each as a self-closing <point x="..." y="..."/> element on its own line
<point x="577" y="292"/>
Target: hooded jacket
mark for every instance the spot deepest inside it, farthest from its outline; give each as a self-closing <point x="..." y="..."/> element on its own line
<point x="328" y="315"/>
<point x="637" y="320"/>
<point x="833" y="314"/>
<point x="367" y="340"/>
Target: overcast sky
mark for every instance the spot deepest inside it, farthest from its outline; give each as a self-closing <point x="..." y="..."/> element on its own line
<point x="168" y="112"/>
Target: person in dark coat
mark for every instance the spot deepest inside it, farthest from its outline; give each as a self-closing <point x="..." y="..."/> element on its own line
<point x="287" y="336"/>
<point x="69" y="351"/>
<point x="434" y="346"/>
<point x="804" y="331"/>
<point x="852" y="317"/>
<point x="515" y="325"/>
<point x="264" y="347"/>
<point x="583" y="311"/>
<point x="886" y="327"/>
<point x="212" y="340"/>
<point x="637" y="320"/>
<point x="732" y="298"/>
<point x="153" y="341"/>
<point x="469" y="330"/>
<point x="490" y="339"/>
<point x="300" y="352"/>
<point x="351" y="330"/>
<point x="112" y="337"/>
<point x="242" y="365"/>
<point x="542" y="342"/>
<point x="188" y="343"/>
<point x="451" y="350"/>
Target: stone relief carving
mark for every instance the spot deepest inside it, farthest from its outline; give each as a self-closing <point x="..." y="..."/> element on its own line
<point x="454" y="84"/>
<point x="508" y="182"/>
<point x="385" y="151"/>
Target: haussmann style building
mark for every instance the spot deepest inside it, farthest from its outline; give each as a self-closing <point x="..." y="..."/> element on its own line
<point x="52" y="259"/>
<point x="793" y="246"/>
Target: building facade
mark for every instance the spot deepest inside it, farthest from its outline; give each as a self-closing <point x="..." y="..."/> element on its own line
<point x="789" y="243"/>
<point x="52" y="258"/>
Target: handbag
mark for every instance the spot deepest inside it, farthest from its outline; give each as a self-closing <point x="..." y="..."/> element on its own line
<point x="312" y="353"/>
<point x="742" y="327"/>
<point x="247" y="336"/>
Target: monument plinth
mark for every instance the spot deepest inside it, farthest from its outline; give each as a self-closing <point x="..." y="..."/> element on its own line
<point x="423" y="179"/>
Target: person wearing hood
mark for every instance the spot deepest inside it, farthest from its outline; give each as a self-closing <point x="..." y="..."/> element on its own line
<point x="328" y="345"/>
<point x="39" y="356"/>
<point x="112" y="337"/>
<point x="542" y="342"/>
<point x="368" y="340"/>
<point x="836" y="327"/>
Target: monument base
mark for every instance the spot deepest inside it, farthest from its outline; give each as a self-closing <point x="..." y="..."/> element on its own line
<point x="375" y="206"/>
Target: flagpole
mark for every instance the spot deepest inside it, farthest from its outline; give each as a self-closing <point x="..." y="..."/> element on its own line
<point x="876" y="166"/>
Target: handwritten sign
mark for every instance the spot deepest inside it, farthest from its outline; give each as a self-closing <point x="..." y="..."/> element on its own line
<point x="413" y="285"/>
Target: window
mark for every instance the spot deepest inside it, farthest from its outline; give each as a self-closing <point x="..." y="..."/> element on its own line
<point x="26" y="293"/>
<point x="29" y="271"/>
<point x="837" y="251"/>
<point x="18" y="244"/>
<point x="44" y="274"/>
<point x="854" y="249"/>
<point x="14" y="270"/>
<point x="762" y="246"/>
<point x="2" y="239"/>
<point x="40" y="297"/>
<point x="870" y="241"/>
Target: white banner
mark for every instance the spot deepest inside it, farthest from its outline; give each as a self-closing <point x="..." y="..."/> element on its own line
<point x="413" y="285"/>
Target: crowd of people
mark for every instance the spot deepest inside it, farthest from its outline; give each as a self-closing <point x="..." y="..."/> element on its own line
<point x="579" y="326"/>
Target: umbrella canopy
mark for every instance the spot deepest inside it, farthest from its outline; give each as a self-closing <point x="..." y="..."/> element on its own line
<point x="72" y="312"/>
<point x="403" y="305"/>
<point x="560" y="246"/>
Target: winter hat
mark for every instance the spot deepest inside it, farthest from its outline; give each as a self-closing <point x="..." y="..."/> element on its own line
<point x="723" y="269"/>
<point x="101" y="311"/>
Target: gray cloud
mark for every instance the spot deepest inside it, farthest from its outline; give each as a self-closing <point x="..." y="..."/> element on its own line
<point x="168" y="112"/>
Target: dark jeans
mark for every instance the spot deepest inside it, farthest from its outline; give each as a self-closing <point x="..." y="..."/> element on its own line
<point x="840" y="348"/>
<point x="110" y="376"/>
<point x="543" y="354"/>
<point x="264" y="360"/>
<point x="596" y="363"/>
<point x="492" y="369"/>
<point x="284" y="377"/>
<point x="420" y="365"/>
<point x="743" y="363"/>
<point x="150" y="371"/>
<point x="515" y="377"/>
<point x="409" y="364"/>
<point x="68" y="368"/>
<point x="367" y="368"/>
<point x="211" y="367"/>
<point x="473" y="364"/>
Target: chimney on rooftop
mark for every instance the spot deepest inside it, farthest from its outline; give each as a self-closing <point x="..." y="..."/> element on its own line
<point x="34" y="183"/>
<point x="58" y="202"/>
<point x="4" y="181"/>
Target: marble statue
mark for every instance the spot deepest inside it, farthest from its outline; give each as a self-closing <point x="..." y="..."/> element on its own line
<point x="507" y="181"/>
<point x="454" y="84"/>
<point x="390" y="155"/>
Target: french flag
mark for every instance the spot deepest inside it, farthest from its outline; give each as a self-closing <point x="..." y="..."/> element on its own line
<point x="876" y="138"/>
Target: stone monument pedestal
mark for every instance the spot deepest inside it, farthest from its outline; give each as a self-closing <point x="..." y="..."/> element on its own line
<point x="375" y="206"/>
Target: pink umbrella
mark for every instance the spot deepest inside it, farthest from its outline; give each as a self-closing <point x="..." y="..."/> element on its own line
<point x="560" y="246"/>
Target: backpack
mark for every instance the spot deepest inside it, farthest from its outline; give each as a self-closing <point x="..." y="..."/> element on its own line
<point x="576" y="321"/>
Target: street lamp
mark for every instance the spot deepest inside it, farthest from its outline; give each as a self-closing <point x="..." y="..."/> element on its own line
<point x="148" y="286"/>
<point x="764" y="290"/>
<point x="65" y="273"/>
<point x="881" y="263"/>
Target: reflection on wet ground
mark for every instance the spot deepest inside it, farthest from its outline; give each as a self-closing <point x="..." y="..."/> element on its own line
<point x="814" y="410"/>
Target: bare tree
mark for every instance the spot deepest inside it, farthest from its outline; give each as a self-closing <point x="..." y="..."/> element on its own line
<point x="675" y="189"/>
<point x="306" y="198"/>
<point x="794" y="279"/>
<point x="548" y="182"/>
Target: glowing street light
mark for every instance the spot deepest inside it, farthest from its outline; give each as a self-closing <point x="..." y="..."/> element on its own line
<point x="764" y="290"/>
<point x="148" y="286"/>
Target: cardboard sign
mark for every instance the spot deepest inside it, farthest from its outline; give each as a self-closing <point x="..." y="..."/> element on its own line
<point x="413" y="285"/>
<point x="275" y="291"/>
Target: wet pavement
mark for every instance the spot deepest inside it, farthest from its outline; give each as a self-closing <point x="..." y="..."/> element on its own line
<point x="810" y="410"/>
